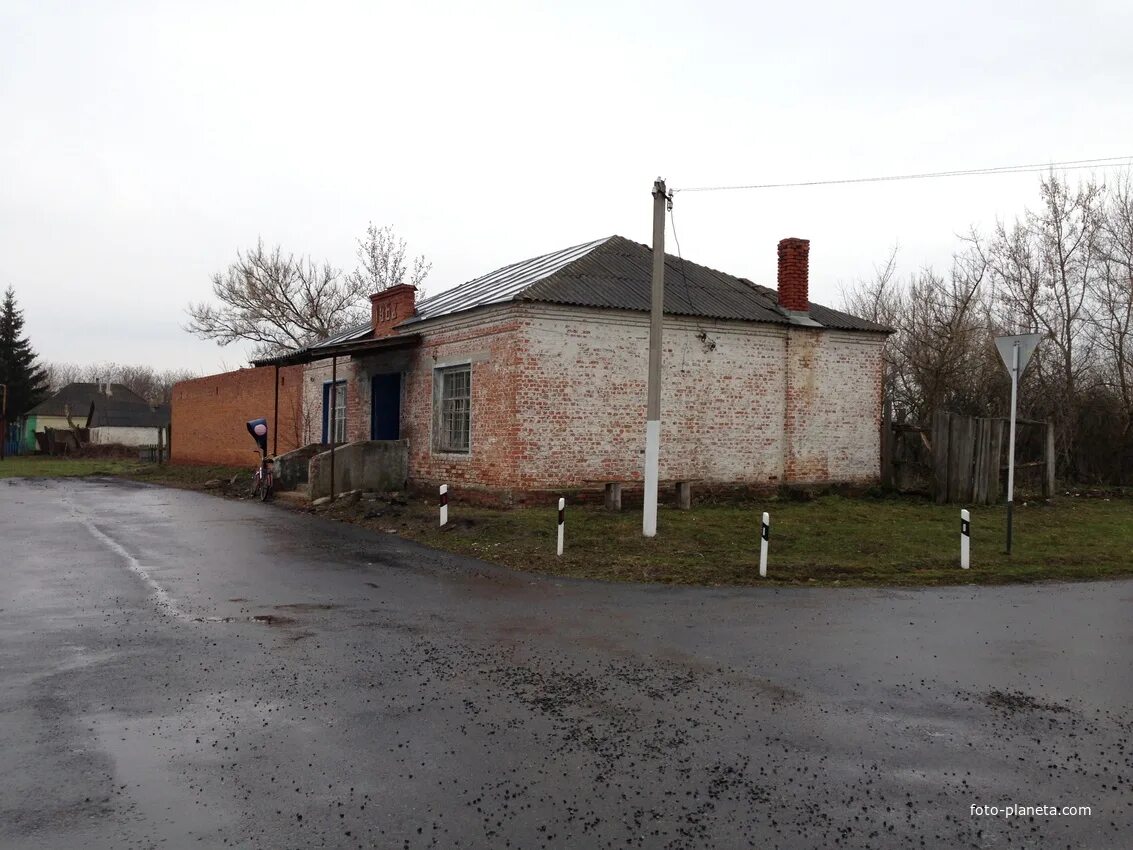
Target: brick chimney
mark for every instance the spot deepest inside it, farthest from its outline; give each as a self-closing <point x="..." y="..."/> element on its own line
<point x="391" y="307"/>
<point x="793" y="274"/>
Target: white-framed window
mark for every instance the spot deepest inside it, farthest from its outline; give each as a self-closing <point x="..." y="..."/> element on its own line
<point x="452" y="409"/>
<point x="334" y="412"/>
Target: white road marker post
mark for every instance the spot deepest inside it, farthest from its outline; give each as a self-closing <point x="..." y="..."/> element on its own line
<point x="764" y="536"/>
<point x="965" y="540"/>
<point x="444" y="505"/>
<point x="562" y="524"/>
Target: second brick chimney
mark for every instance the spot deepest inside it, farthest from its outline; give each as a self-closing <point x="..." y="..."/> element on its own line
<point x="391" y="307"/>
<point x="794" y="261"/>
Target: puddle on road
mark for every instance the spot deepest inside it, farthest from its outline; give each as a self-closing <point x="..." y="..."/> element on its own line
<point x="273" y="619"/>
<point x="150" y="781"/>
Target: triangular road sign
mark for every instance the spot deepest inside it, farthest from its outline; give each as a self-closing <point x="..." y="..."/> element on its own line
<point x="1026" y="343"/>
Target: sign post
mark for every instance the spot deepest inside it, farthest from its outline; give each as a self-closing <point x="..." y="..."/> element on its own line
<point x="1016" y="351"/>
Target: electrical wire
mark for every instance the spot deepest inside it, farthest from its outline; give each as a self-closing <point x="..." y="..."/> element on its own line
<point x="1032" y="168"/>
<point x="676" y="239"/>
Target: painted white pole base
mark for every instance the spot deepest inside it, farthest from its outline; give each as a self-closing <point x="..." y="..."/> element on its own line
<point x="764" y="537"/>
<point x="965" y="540"/>
<point x="652" y="462"/>
<point x="562" y="525"/>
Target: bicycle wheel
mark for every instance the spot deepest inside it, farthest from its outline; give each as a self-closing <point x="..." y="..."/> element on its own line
<point x="255" y="486"/>
<point x="265" y="490"/>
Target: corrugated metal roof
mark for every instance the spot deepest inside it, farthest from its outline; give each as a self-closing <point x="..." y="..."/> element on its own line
<point x="348" y="335"/>
<point x="617" y="273"/>
<point x="501" y="285"/>
<point x="357" y="341"/>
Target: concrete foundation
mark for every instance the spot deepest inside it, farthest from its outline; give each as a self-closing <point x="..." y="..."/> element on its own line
<point x="292" y="469"/>
<point x="381" y="465"/>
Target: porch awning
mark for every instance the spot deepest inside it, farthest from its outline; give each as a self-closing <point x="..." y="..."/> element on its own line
<point x="347" y="348"/>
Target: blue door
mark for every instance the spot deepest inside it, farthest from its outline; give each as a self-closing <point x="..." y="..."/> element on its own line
<point x="385" y="407"/>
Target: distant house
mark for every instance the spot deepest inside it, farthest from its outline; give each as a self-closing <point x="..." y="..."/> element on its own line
<point x="128" y="423"/>
<point x="77" y="400"/>
<point x="533" y="378"/>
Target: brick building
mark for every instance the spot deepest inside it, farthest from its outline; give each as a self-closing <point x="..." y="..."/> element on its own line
<point x="208" y="415"/>
<point x="533" y="377"/>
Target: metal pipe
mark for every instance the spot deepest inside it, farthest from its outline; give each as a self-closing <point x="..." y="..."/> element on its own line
<point x="332" y="399"/>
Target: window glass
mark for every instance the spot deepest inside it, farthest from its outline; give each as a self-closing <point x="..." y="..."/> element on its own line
<point x="340" y="412"/>
<point x="456" y="409"/>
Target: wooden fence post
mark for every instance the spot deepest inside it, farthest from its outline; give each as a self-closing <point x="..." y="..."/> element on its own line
<point x="979" y="454"/>
<point x="887" y="445"/>
<point x="940" y="431"/>
<point x="995" y="465"/>
<point x="1048" y="470"/>
<point x="960" y="438"/>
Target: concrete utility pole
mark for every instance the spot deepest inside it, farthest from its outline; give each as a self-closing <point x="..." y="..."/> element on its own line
<point x="653" y="407"/>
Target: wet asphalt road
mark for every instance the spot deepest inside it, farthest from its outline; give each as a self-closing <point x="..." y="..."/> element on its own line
<point x="403" y="698"/>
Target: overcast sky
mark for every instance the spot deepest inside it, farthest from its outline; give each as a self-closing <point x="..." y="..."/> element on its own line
<point x="143" y="143"/>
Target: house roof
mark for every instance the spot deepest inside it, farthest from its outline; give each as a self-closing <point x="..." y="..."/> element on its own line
<point x="616" y="273"/>
<point x="127" y="414"/>
<point x="78" y="397"/>
<point x="355" y="340"/>
<point x="613" y="273"/>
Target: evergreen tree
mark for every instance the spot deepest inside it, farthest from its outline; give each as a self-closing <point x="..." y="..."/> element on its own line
<point x="27" y="382"/>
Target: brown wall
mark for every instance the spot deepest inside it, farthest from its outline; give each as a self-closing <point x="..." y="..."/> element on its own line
<point x="209" y="415"/>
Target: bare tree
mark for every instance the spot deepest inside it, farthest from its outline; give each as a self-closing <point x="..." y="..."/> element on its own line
<point x="60" y="374"/>
<point x="938" y="354"/>
<point x="881" y="299"/>
<point x="382" y="264"/>
<point x="1043" y="269"/>
<point x="278" y="301"/>
<point x="153" y="385"/>
<point x="1063" y="268"/>
<point x="1112" y="313"/>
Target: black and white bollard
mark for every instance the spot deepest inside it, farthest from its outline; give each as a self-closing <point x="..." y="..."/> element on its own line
<point x="965" y="540"/>
<point x="444" y="505"/>
<point x="562" y="523"/>
<point x="764" y="536"/>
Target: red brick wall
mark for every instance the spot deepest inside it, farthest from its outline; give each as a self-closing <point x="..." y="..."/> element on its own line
<point x="582" y="392"/>
<point x="208" y="415"/>
<point x="490" y="342"/>
<point x="558" y="400"/>
<point x="833" y="385"/>
<point x="357" y="380"/>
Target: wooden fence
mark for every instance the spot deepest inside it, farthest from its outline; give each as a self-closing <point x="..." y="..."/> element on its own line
<point x="963" y="459"/>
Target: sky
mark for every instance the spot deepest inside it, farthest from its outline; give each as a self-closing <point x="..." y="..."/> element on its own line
<point x="143" y="144"/>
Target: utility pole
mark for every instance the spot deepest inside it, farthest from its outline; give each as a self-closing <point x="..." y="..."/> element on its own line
<point x="653" y="406"/>
<point x="3" y="419"/>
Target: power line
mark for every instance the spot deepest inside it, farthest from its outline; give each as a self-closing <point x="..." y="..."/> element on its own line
<point x="1032" y="168"/>
<point x="676" y="239"/>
